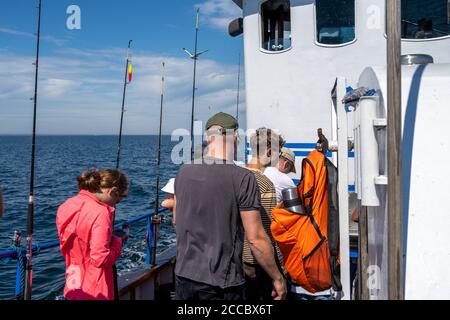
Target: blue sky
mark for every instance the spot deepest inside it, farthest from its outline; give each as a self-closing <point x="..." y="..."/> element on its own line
<point x="81" y="71"/>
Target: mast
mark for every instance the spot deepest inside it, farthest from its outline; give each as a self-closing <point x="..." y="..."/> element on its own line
<point x="238" y="87"/>
<point x="119" y="144"/>
<point x="394" y="132"/>
<point x="156" y="220"/>
<point x="194" y="57"/>
<point x="193" y="87"/>
<point x="29" y="266"/>
<point x="237" y="106"/>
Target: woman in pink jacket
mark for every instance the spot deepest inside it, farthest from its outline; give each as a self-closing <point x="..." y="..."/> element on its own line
<point x="85" y="226"/>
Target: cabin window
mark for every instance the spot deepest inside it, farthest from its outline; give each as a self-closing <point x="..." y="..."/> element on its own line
<point x="425" y="19"/>
<point x="448" y="12"/>
<point x="276" y="25"/>
<point x="335" y="21"/>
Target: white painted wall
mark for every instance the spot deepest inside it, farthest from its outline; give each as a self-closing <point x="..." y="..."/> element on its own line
<point x="425" y="110"/>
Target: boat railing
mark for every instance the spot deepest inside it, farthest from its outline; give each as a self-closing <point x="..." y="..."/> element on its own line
<point x="18" y="253"/>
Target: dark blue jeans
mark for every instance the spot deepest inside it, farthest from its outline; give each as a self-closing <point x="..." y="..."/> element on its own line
<point x="187" y="289"/>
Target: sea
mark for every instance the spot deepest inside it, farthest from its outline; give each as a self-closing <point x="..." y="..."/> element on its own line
<point x="59" y="160"/>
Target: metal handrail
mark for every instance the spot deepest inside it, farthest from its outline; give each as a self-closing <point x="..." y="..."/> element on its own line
<point x="11" y="253"/>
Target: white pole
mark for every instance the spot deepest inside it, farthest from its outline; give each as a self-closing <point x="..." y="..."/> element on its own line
<point x="344" y="250"/>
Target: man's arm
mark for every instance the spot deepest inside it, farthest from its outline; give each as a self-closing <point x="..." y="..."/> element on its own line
<point x="263" y="251"/>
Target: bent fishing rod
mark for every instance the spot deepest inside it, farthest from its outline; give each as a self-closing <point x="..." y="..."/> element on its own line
<point x="156" y="219"/>
<point x="128" y="74"/>
<point x="29" y="266"/>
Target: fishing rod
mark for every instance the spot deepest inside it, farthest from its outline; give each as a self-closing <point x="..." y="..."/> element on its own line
<point x="156" y="219"/>
<point x="29" y="266"/>
<point x="128" y="74"/>
<point x="194" y="57"/>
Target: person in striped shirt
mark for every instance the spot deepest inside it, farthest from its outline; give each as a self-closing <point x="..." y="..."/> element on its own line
<point x="265" y="144"/>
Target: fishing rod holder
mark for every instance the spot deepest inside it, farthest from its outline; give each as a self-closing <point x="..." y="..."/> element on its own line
<point x="17" y="238"/>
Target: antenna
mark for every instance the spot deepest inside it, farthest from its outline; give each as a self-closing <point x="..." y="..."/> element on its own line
<point x="238" y="87"/>
<point x="194" y="56"/>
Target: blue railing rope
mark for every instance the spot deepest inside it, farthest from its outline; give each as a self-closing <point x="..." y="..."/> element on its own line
<point x="37" y="248"/>
<point x="17" y="252"/>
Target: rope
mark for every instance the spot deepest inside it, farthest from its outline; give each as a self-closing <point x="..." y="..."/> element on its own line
<point x="6" y="260"/>
<point x="20" y="261"/>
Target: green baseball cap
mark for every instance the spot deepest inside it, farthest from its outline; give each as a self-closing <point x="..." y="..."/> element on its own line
<point x="224" y="120"/>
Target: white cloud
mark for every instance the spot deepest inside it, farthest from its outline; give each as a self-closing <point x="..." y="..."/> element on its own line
<point x="80" y="92"/>
<point x="51" y="39"/>
<point x="219" y="13"/>
<point x="57" y="88"/>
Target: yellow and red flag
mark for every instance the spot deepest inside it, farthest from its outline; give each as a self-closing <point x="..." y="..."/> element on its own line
<point x="130" y="72"/>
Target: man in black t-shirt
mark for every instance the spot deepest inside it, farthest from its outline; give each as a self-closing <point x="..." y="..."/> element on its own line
<point x="215" y="201"/>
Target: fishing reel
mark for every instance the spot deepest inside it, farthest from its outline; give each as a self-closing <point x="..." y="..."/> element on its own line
<point x="157" y="219"/>
<point x="161" y="219"/>
<point x="123" y="232"/>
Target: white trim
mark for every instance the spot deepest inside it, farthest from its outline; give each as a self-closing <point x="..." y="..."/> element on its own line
<point x="274" y="52"/>
<point x="421" y="40"/>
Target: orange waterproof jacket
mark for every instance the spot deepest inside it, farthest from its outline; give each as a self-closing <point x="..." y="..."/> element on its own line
<point x="86" y="241"/>
<point x="303" y="238"/>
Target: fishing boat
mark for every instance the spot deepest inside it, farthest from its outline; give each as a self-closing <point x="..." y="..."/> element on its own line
<point x="302" y="59"/>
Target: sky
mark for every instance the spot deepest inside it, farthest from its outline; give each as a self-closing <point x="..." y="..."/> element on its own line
<point x="81" y="71"/>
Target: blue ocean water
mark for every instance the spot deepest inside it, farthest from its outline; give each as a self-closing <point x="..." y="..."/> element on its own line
<point x="59" y="159"/>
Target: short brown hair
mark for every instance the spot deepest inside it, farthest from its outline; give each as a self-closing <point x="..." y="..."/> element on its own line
<point x="262" y="140"/>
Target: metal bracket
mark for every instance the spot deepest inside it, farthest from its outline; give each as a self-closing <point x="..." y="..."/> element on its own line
<point x="380" y="123"/>
<point x="381" y="180"/>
